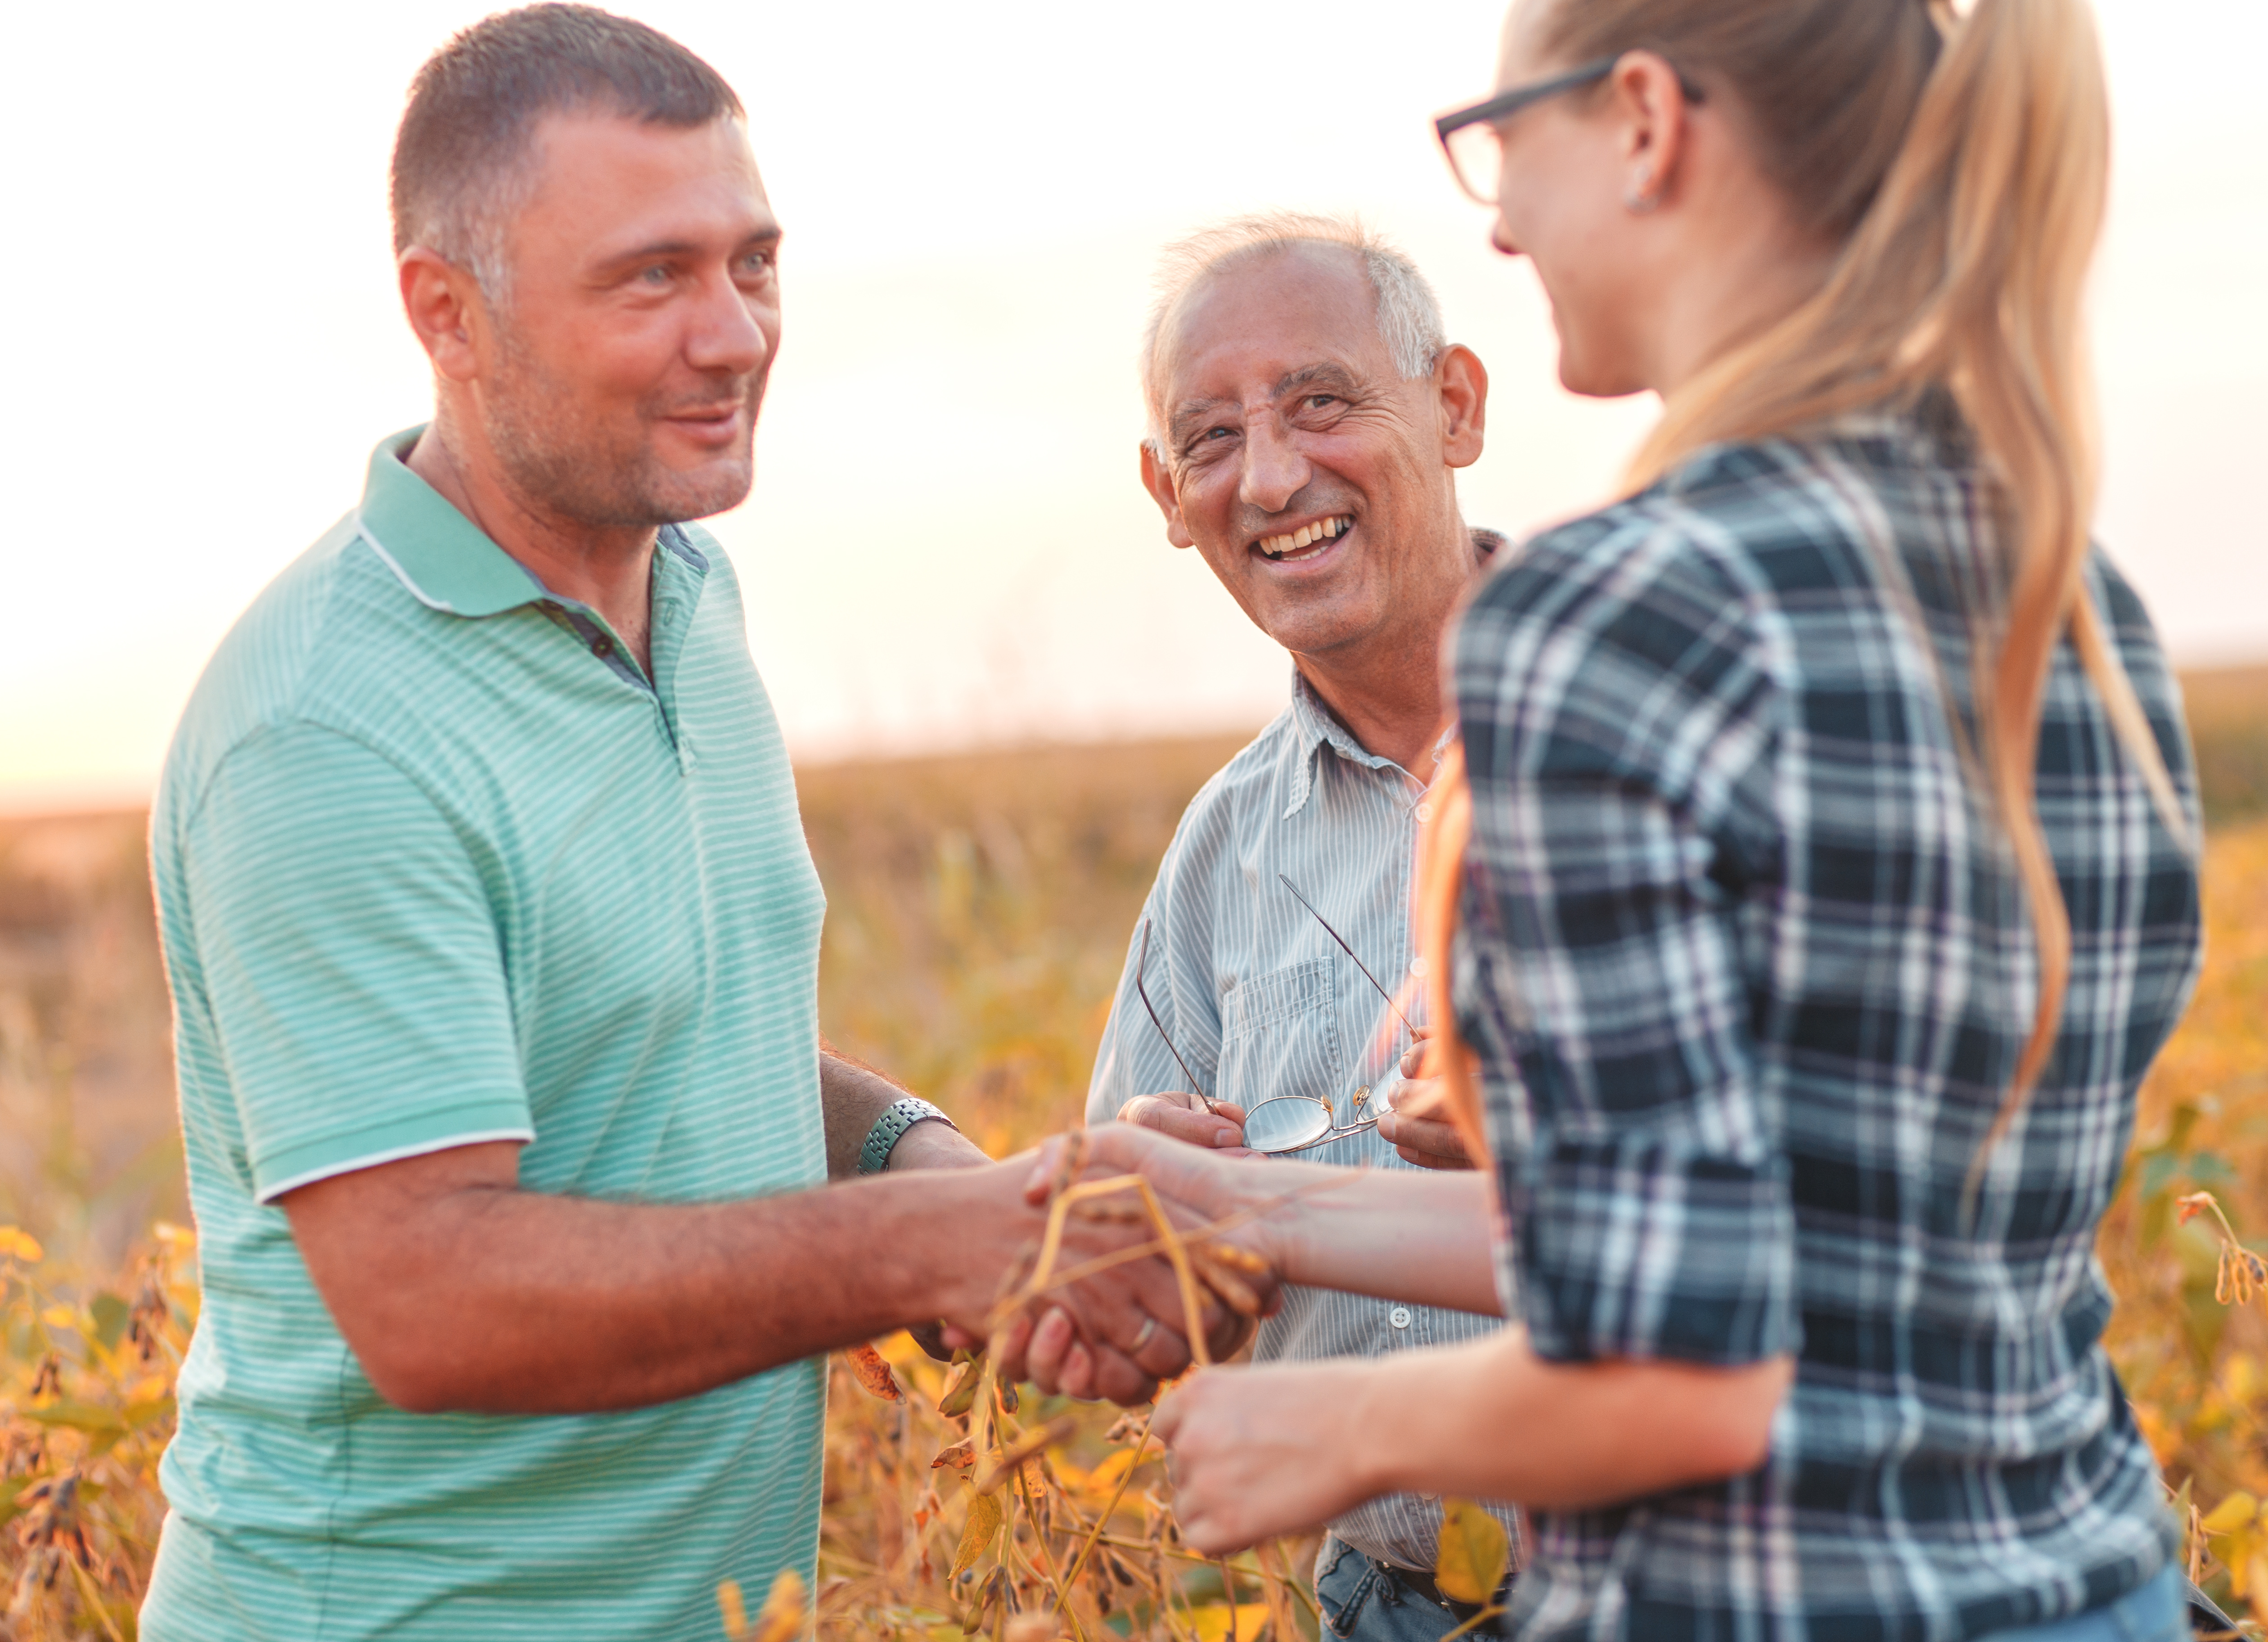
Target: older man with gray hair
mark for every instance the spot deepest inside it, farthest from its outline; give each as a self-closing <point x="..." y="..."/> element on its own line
<point x="1306" y="420"/>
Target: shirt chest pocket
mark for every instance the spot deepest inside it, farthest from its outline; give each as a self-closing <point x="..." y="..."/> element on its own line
<point x="1281" y="1037"/>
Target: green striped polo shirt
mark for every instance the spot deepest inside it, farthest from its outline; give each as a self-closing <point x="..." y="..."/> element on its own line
<point x="437" y="864"/>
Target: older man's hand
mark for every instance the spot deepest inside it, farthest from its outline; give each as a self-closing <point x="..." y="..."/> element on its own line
<point x="1415" y="1126"/>
<point x="1186" y="1116"/>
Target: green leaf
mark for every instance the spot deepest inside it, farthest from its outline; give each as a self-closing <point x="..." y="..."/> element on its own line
<point x="110" y="1315"/>
<point x="77" y="1416"/>
<point x="2177" y="1133"/>
<point x="1475" y="1553"/>
<point x="2210" y="1169"/>
<point x="147" y="1412"/>
<point x="975" y="1534"/>
<point x="11" y="1487"/>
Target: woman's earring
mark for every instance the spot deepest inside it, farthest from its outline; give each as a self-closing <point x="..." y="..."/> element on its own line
<point x="1639" y="199"/>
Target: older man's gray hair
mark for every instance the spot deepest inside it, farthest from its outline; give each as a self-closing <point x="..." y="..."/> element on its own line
<point x="1409" y="313"/>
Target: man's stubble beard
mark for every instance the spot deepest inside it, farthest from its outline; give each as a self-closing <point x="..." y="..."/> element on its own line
<point x="598" y="472"/>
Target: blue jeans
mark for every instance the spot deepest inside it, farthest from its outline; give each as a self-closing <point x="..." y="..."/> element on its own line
<point x="1364" y="1602"/>
<point x="1361" y="1602"/>
<point x="2155" y="1612"/>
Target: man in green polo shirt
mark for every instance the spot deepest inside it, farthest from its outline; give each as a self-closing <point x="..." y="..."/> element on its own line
<point x="493" y="941"/>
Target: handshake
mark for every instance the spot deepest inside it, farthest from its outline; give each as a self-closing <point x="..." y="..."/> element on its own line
<point x="1164" y="1243"/>
<point x="1150" y="1257"/>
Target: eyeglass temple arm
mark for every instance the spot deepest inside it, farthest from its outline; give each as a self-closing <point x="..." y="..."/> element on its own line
<point x="1511" y="102"/>
<point x="1350" y="951"/>
<point x="1142" y="992"/>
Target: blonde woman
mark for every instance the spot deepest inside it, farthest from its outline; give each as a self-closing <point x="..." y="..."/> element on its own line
<point x="1825" y="878"/>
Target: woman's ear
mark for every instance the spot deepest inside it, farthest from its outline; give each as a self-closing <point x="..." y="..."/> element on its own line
<point x="1650" y="104"/>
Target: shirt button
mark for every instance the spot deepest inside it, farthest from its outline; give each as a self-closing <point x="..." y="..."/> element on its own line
<point x="602" y="646"/>
<point x="1399" y="1316"/>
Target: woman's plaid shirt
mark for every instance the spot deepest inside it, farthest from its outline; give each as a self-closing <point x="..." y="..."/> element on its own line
<point x="1748" y="964"/>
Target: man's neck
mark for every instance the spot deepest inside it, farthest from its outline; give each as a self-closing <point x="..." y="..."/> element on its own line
<point x="1396" y="716"/>
<point x="608" y="568"/>
<point x="1386" y="687"/>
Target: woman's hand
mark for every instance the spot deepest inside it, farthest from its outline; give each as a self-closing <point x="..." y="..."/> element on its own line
<point x="1259" y="1452"/>
<point x="1212" y="1183"/>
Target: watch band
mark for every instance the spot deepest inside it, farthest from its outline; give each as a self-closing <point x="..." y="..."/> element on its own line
<point x="897" y="1118"/>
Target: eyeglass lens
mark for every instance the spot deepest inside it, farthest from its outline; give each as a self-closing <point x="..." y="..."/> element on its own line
<point x="1287" y="1123"/>
<point x="1476" y="158"/>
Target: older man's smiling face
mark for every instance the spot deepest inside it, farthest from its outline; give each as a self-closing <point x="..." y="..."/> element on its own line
<point x="1296" y="459"/>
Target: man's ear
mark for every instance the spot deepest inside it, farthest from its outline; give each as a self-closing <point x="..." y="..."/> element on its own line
<point x="1159" y="484"/>
<point x="1460" y="380"/>
<point x="443" y="303"/>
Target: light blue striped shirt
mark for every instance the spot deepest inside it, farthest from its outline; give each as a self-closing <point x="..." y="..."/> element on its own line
<point x="1261" y="1002"/>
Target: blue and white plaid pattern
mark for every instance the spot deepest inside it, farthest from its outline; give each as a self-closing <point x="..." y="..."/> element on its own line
<point x="1747" y="962"/>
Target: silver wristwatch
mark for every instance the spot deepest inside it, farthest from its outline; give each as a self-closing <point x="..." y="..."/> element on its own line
<point x="898" y="1117"/>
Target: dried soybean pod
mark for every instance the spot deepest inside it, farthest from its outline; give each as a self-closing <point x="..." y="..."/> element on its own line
<point x="874" y="1373"/>
<point x="1233" y="1256"/>
<point x="1232" y="1288"/>
<point x="959" y="1393"/>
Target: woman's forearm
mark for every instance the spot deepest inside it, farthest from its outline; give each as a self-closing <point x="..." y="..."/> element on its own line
<point x="1420" y="1235"/>
<point x="1492" y="1420"/>
<point x="1406" y="1235"/>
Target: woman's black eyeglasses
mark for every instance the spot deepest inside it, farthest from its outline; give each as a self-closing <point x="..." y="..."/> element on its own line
<point x="1473" y="138"/>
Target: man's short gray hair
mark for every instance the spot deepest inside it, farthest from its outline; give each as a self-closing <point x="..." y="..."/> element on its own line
<point x="1409" y="313"/>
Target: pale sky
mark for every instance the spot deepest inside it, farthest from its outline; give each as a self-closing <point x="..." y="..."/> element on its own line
<point x="947" y="544"/>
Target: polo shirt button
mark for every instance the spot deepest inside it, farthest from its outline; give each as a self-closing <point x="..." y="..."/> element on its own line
<point x="1399" y="1316"/>
<point x="602" y="646"/>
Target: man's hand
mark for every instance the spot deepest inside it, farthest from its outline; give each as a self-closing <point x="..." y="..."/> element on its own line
<point x="1186" y="1116"/>
<point x="1412" y="1126"/>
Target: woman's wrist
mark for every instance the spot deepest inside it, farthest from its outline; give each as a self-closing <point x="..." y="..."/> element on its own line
<point x="1378" y="1448"/>
<point x="1284" y="1201"/>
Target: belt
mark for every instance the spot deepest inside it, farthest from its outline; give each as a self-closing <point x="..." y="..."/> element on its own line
<point x="1420" y="1584"/>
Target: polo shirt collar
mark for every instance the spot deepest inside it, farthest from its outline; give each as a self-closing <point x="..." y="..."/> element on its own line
<point x="444" y="560"/>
